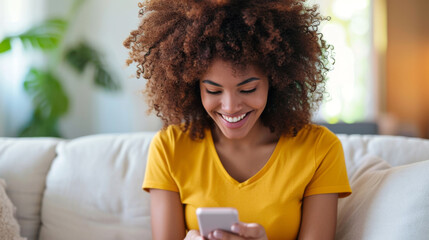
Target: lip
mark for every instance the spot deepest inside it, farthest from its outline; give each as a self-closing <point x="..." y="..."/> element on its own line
<point x="236" y="124"/>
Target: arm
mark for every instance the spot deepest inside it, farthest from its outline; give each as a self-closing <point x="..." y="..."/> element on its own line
<point x="167" y="218"/>
<point x="319" y="217"/>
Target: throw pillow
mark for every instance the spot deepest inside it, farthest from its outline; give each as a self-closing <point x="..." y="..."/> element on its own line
<point x="387" y="202"/>
<point x="9" y="228"/>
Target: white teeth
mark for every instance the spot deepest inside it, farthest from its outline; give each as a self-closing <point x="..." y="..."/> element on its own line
<point x="233" y="119"/>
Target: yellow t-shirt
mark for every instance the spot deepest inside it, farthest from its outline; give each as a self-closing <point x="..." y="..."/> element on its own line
<point x="310" y="163"/>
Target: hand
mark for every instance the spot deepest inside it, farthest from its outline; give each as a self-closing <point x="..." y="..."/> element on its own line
<point x="241" y="231"/>
<point x="193" y="235"/>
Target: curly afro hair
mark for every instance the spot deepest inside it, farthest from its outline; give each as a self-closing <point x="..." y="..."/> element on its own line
<point x="177" y="40"/>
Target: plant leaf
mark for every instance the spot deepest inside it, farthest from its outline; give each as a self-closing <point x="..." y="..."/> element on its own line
<point x="79" y="56"/>
<point x="48" y="95"/>
<point x="82" y="55"/>
<point x="104" y="80"/>
<point x="40" y="127"/>
<point x="5" y="45"/>
<point x="44" y="36"/>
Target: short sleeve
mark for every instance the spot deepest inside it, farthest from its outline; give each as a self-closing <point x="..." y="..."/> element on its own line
<point x="158" y="172"/>
<point x="330" y="169"/>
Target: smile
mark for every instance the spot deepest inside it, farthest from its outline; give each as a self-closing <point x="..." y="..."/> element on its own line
<point x="234" y="119"/>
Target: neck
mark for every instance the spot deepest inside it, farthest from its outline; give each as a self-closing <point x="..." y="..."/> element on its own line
<point x="258" y="135"/>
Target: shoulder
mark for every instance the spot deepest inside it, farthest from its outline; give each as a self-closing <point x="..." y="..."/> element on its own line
<point x="314" y="139"/>
<point x="173" y="135"/>
<point x="170" y="132"/>
<point x="316" y="134"/>
<point x="175" y="145"/>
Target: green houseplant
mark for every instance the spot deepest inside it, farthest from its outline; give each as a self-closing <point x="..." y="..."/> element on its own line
<point x="50" y="100"/>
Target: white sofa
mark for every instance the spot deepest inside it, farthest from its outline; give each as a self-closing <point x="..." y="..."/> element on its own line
<point x="90" y="187"/>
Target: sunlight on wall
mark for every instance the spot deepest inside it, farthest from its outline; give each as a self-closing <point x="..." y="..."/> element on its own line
<point x="349" y="83"/>
<point x="16" y="17"/>
<point x="12" y="13"/>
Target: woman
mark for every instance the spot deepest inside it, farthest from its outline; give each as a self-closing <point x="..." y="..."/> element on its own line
<point x="235" y="83"/>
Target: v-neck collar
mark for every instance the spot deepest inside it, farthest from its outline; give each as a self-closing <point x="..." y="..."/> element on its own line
<point x="253" y="178"/>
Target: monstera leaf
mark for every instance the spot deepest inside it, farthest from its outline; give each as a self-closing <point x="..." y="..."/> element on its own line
<point x="40" y="127"/>
<point x="5" y="45"/>
<point x="83" y="55"/>
<point x="44" y="36"/>
<point x="47" y="93"/>
<point x="50" y="102"/>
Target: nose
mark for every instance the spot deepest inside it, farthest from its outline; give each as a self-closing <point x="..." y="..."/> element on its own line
<point x="231" y="103"/>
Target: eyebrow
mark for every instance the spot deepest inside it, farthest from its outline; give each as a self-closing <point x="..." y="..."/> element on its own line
<point x="241" y="83"/>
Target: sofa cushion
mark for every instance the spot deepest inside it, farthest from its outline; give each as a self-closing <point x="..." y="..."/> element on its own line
<point x="93" y="190"/>
<point x="9" y="228"/>
<point x="387" y="202"/>
<point x="24" y="164"/>
<point x="395" y="150"/>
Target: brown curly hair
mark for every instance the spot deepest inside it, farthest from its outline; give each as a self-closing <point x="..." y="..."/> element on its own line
<point x="177" y="40"/>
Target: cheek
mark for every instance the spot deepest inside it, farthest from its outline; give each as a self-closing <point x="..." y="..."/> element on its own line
<point x="259" y="101"/>
<point x="208" y="102"/>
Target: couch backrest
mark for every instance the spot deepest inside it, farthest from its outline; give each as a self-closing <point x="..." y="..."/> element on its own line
<point x="93" y="190"/>
<point x="395" y="150"/>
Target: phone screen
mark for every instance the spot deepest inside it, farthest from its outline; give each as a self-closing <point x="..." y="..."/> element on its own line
<point x="210" y="219"/>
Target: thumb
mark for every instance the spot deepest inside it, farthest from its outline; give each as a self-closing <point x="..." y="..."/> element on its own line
<point x="194" y="235"/>
<point x="248" y="230"/>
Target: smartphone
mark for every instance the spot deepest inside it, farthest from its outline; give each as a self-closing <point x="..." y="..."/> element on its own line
<point x="212" y="218"/>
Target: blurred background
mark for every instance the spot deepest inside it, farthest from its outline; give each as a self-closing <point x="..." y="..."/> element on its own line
<point x="63" y="72"/>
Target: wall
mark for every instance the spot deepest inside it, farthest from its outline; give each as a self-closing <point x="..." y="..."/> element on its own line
<point x="15" y="108"/>
<point x="407" y="66"/>
<point x="104" y="24"/>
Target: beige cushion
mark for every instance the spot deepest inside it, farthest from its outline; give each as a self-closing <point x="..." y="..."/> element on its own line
<point x="395" y="150"/>
<point x="93" y="190"/>
<point x="24" y="164"/>
<point x="387" y="202"/>
<point x="9" y="228"/>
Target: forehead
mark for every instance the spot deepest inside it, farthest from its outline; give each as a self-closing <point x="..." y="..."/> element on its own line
<point x="221" y="68"/>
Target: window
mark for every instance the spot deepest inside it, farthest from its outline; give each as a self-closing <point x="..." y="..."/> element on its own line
<point x="350" y="84"/>
<point x="15" y="17"/>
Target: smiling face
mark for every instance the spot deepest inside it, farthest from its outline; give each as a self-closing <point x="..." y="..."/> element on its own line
<point x="234" y="100"/>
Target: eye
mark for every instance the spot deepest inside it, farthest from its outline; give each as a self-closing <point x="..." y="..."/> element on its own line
<point x="213" y="92"/>
<point x="248" y="91"/>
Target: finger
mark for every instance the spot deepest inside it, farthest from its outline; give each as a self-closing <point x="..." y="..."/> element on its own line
<point x="194" y="235"/>
<point x="223" y="235"/>
<point x="248" y="230"/>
